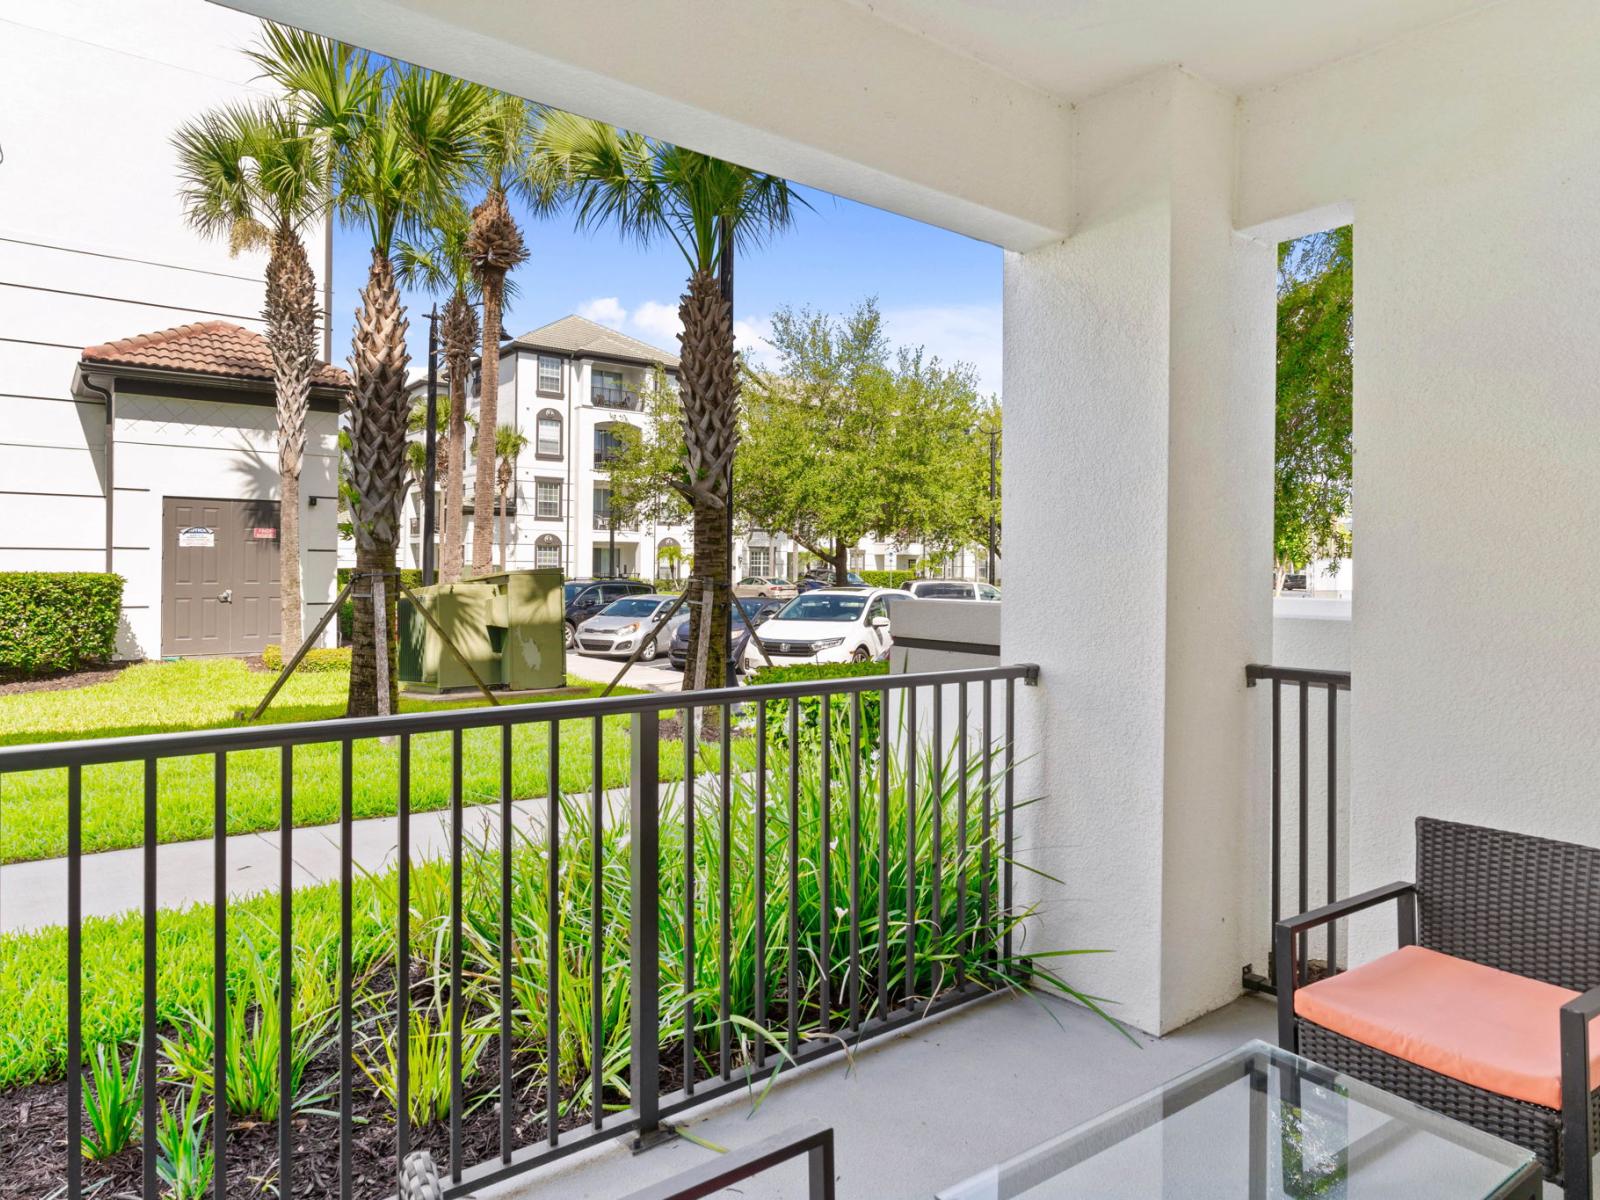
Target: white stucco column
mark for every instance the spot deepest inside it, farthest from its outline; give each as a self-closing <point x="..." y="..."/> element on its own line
<point x="1138" y="451"/>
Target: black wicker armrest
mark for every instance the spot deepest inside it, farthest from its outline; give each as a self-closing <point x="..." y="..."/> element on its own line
<point x="1577" y="1152"/>
<point x="1284" y="933"/>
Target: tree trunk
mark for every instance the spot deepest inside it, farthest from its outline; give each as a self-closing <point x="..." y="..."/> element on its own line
<point x="488" y="422"/>
<point x="291" y="332"/>
<point x="841" y="563"/>
<point x="376" y="470"/>
<point x="708" y="381"/>
<point x="504" y="500"/>
<point x="460" y="328"/>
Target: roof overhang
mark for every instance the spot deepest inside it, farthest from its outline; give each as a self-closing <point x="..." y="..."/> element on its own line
<point x="192" y="385"/>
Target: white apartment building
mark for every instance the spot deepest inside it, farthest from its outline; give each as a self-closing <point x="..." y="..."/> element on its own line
<point x="139" y="434"/>
<point x="567" y="386"/>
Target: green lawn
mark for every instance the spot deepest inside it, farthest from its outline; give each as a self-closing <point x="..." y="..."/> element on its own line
<point x="205" y="694"/>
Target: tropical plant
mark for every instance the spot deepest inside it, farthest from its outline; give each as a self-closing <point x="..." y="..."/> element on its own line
<point x="509" y="443"/>
<point x="255" y="174"/>
<point x="253" y="1035"/>
<point x="111" y="1101"/>
<point x="439" y="262"/>
<point x="428" y="1081"/>
<point x="187" y="1157"/>
<point x="708" y="208"/>
<point x="495" y="247"/>
<point x="401" y="141"/>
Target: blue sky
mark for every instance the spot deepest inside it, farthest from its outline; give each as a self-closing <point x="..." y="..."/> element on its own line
<point x="936" y="289"/>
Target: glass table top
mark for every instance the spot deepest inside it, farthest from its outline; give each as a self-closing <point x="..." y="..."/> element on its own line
<point x="1260" y="1123"/>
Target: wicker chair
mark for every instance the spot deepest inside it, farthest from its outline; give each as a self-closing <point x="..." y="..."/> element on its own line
<point x="1525" y="905"/>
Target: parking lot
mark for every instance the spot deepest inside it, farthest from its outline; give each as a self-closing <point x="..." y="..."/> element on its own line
<point x="658" y="676"/>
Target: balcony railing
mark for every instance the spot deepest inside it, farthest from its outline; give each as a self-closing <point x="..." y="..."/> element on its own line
<point x="605" y="396"/>
<point x="789" y="869"/>
<point x="603" y="521"/>
<point x="1312" y="837"/>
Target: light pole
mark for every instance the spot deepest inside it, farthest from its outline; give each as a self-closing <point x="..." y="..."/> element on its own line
<point x="430" y="442"/>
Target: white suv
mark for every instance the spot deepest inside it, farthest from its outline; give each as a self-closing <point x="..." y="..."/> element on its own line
<point x="830" y="625"/>
<point x="950" y="589"/>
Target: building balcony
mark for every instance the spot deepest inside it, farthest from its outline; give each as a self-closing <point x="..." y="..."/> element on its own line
<point x="615" y="397"/>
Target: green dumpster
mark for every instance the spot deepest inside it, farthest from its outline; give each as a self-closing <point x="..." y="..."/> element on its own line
<point x="507" y="626"/>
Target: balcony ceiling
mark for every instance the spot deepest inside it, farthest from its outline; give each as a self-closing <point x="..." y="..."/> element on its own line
<point x="1076" y="48"/>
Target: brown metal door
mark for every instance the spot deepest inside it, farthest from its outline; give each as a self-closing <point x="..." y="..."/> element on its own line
<point x="219" y="576"/>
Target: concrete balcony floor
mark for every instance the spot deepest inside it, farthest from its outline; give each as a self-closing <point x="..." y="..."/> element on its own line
<point x="923" y="1110"/>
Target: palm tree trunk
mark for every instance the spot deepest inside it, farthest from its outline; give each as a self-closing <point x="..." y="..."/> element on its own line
<point x="488" y="421"/>
<point x="709" y="385"/>
<point x="291" y="330"/>
<point x="376" y="469"/>
<point x="460" y="340"/>
<point x="503" y="502"/>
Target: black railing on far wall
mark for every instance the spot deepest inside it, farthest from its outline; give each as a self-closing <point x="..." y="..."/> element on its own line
<point x="1303" y="683"/>
<point x="789" y="869"/>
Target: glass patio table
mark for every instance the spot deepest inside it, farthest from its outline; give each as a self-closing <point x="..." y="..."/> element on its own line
<point x="1260" y="1123"/>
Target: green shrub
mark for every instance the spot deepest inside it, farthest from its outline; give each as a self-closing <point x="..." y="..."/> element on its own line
<point x="324" y="658"/>
<point x="887" y="579"/>
<point x="810" y="715"/>
<point x="669" y="586"/>
<point x="111" y="1100"/>
<point x="57" y="620"/>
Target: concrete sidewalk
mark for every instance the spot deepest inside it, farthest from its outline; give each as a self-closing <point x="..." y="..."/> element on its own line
<point x="33" y="895"/>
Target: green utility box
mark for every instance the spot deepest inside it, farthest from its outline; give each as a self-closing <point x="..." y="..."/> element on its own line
<point x="509" y="627"/>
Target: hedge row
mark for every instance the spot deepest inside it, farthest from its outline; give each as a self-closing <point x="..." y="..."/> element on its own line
<point x="57" y="620"/>
<point x="810" y="714"/>
<point x="319" y="661"/>
<point x="887" y="579"/>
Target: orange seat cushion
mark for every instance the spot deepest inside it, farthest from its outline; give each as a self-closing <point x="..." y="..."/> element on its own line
<point x="1488" y="1028"/>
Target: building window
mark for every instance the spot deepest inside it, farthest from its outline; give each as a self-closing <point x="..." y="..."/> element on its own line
<point x="548" y="435"/>
<point x="602" y="507"/>
<point x="858" y="560"/>
<point x="547" y="551"/>
<point x="608" y="444"/>
<point x="549" y="375"/>
<point x="760" y="560"/>
<point x="669" y="559"/>
<point x="547" y="499"/>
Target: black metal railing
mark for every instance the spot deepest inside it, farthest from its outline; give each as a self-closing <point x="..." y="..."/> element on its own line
<point x="614" y="397"/>
<point x="1303" y="683"/>
<point x="820" y="875"/>
<point x="814" y="1140"/>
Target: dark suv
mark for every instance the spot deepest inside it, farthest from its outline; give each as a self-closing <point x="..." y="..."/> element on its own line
<point x="585" y="597"/>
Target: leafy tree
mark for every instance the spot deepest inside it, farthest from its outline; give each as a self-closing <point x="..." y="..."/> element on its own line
<point x="844" y="439"/>
<point x="708" y="208"/>
<point x="1314" y="449"/>
<point x="254" y="174"/>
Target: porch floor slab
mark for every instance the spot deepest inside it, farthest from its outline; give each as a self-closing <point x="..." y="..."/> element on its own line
<point x="925" y="1109"/>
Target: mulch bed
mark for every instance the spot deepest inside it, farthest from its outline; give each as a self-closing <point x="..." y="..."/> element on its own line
<point x="34" y="1147"/>
<point x="87" y="677"/>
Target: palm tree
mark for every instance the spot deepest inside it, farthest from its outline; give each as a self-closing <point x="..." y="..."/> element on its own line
<point x="495" y="247"/>
<point x="509" y="443"/>
<point x="253" y="174"/>
<point x="440" y="264"/>
<point x="708" y="208"/>
<point x="401" y="141"/>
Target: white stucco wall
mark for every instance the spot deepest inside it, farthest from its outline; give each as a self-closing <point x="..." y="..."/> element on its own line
<point x="94" y="247"/>
<point x="1471" y="158"/>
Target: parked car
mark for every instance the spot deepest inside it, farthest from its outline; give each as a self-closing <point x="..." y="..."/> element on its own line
<point x="816" y="580"/>
<point x="766" y="588"/>
<point x="586" y="597"/>
<point x="950" y="589"/>
<point x="759" y="610"/>
<point x="831" y="625"/>
<point x="619" y="627"/>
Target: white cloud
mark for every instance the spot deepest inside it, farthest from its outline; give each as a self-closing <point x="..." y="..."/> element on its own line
<point x="968" y="333"/>
<point x="657" y="322"/>
<point x="755" y="336"/>
<point x="604" y="310"/>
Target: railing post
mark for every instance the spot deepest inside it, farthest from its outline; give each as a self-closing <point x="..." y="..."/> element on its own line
<point x="644" y="936"/>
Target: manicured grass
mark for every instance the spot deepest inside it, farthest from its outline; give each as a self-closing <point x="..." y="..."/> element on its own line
<point x="196" y="694"/>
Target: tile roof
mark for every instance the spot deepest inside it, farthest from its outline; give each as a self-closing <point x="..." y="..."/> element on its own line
<point x="204" y="348"/>
<point x="581" y="336"/>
